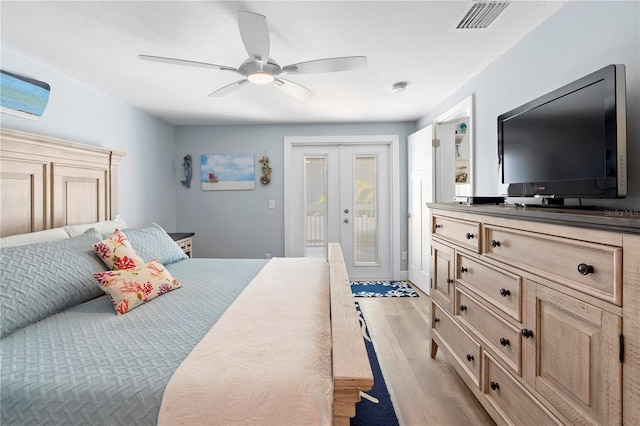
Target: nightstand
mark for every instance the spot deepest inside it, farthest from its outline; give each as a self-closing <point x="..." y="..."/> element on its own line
<point x="184" y="240"/>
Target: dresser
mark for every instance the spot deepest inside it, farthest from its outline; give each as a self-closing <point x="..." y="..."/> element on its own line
<point x="538" y="310"/>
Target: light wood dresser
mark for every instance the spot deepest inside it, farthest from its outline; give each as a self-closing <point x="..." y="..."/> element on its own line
<point x="539" y="310"/>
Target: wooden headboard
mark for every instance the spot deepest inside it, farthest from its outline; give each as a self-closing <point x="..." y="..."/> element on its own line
<point x="48" y="183"/>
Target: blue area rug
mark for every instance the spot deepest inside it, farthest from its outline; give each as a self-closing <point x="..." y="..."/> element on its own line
<point x="382" y="289"/>
<point x="369" y="412"/>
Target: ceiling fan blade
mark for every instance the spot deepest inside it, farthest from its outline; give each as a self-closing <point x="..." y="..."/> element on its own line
<point x="255" y="35"/>
<point x="293" y="89"/>
<point x="175" y="61"/>
<point x="225" y="90"/>
<point x="345" y="63"/>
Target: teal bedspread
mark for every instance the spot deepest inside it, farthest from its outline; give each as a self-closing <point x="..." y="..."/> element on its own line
<point x="87" y="365"/>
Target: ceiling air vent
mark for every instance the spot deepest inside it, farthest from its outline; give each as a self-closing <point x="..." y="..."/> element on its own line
<point x="481" y="14"/>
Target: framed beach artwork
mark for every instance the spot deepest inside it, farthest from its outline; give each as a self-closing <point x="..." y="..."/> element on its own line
<point x="227" y="172"/>
<point x="23" y="96"/>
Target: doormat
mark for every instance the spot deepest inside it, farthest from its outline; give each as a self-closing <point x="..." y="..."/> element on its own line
<point x="382" y="289"/>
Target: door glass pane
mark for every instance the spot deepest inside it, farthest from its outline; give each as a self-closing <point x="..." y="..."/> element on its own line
<point x="365" y="209"/>
<point x="315" y="206"/>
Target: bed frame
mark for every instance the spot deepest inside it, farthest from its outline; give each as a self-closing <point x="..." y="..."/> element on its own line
<point x="48" y="183"/>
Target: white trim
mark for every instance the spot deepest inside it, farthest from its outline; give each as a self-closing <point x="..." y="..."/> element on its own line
<point x="464" y="108"/>
<point x="394" y="158"/>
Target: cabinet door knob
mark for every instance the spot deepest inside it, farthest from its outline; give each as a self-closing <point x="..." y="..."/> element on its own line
<point x="494" y="243"/>
<point x="526" y="333"/>
<point x="436" y="320"/>
<point x="470" y="236"/>
<point x="494" y="385"/>
<point x="438" y="226"/>
<point x="585" y="269"/>
<point x="504" y="292"/>
<point x="463" y="308"/>
<point x="469" y="357"/>
<point x="504" y="342"/>
<point x="463" y="269"/>
<point x="449" y="281"/>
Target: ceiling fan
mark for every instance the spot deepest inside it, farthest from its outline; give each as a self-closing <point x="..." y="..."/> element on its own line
<point x="259" y="68"/>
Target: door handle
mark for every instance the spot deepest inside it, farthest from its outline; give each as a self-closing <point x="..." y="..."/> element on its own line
<point x="346" y="221"/>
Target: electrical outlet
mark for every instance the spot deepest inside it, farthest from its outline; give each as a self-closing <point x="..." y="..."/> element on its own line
<point x="267" y="256"/>
<point x="272" y="204"/>
<point x="404" y="255"/>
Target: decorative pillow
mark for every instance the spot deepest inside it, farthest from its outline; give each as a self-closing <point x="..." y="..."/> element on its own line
<point x="130" y="288"/>
<point x="152" y="242"/>
<point x="104" y="227"/>
<point x="116" y="252"/>
<point x="45" y="236"/>
<point x="39" y="280"/>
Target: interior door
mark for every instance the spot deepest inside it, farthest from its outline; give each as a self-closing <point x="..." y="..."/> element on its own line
<point x="341" y="193"/>
<point x="421" y="192"/>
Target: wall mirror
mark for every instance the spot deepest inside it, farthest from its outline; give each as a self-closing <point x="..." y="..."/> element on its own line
<point x="454" y="151"/>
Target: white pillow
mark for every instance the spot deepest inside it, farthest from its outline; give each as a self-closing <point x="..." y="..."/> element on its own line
<point x="105" y="227"/>
<point x="48" y="235"/>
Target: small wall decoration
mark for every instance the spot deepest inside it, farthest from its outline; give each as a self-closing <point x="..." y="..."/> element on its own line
<point x="188" y="171"/>
<point x="266" y="170"/>
<point x="226" y="172"/>
<point x="23" y="96"/>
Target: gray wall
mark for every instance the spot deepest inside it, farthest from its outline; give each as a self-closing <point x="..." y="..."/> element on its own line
<point x="239" y="223"/>
<point x="581" y="37"/>
<point x="80" y="113"/>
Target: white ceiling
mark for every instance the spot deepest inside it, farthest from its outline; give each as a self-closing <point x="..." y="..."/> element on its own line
<point x="98" y="43"/>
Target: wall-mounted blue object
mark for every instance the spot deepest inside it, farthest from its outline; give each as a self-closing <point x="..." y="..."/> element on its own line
<point x="188" y="171"/>
<point x="23" y="96"/>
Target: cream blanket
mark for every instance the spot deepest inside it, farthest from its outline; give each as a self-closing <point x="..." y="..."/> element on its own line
<point x="267" y="361"/>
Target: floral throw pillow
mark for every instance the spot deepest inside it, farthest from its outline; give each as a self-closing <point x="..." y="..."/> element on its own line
<point x="130" y="288"/>
<point x="117" y="253"/>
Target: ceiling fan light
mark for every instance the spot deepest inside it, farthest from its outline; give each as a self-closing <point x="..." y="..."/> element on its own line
<point x="260" y="78"/>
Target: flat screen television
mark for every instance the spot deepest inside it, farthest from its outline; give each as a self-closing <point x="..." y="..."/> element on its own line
<point x="569" y="143"/>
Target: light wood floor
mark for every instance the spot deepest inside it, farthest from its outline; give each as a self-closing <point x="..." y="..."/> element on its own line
<point x="424" y="390"/>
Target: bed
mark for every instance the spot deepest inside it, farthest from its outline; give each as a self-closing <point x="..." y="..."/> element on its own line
<point x="242" y="341"/>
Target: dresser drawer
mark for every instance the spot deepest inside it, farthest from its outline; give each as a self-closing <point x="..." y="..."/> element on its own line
<point x="500" y="288"/>
<point x="496" y="333"/>
<point x="461" y="232"/>
<point x="466" y="350"/>
<point x="512" y="401"/>
<point x="595" y="269"/>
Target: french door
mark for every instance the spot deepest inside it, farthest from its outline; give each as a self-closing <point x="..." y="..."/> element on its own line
<point x="342" y="193"/>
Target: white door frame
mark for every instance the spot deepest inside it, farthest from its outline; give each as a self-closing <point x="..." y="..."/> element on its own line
<point x="394" y="158"/>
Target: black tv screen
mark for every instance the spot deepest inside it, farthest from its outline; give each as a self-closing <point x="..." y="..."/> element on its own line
<point x="570" y="142"/>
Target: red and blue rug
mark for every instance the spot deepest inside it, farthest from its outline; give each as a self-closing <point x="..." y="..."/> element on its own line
<point x="382" y="289"/>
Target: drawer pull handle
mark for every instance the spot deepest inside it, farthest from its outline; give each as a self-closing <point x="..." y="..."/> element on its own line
<point x="463" y="308"/>
<point x="526" y="333"/>
<point x="470" y="236"/>
<point x="494" y="243"/>
<point x="504" y="342"/>
<point x="436" y="320"/>
<point x="449" y="281"/>
<point x="438" y="226"/>
<point x="463" y="270"/>
<point x="469" y="357"/>
<point x="504" y="292"/>
<point x="585" y="269"/>
<point x="494" y="385"/>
